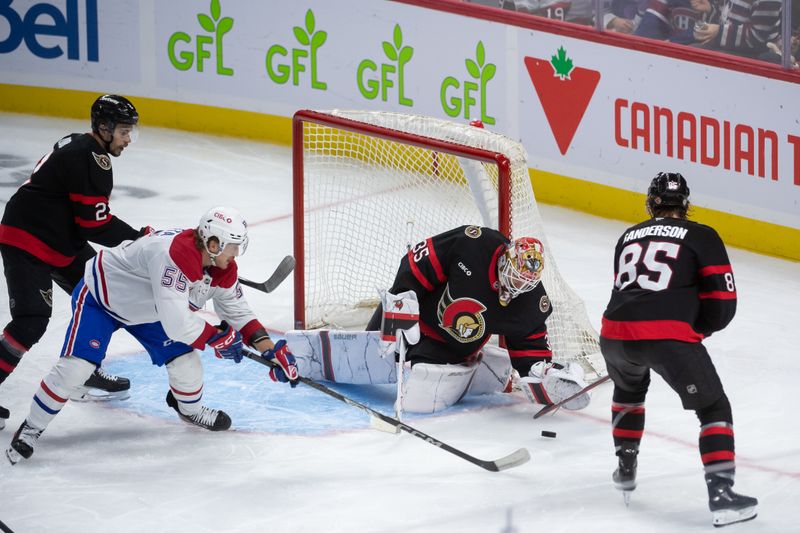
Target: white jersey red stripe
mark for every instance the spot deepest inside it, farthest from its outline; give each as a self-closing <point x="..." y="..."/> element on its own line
<point x="154" y="279"/>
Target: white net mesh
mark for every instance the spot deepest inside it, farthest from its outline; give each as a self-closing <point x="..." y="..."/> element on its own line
<point x="367" y="198"/>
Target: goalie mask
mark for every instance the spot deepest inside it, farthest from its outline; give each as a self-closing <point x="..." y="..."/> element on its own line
<point x="520" y="267"/>
<point x="229" y="228"/>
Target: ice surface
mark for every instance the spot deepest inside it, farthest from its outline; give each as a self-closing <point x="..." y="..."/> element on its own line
<point x="298" y="461"/>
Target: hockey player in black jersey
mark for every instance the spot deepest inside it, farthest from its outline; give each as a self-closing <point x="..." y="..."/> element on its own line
<point x="47" y="226"/>
<point x="471" y="283"/>
<point x="673" y="286"/>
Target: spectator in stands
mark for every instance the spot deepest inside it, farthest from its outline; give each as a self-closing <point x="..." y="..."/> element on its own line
<point x="745" y="28"/>
<point x="676" y="20"/>
<point x="575" y="11"/>
<point x="624" y="16"/>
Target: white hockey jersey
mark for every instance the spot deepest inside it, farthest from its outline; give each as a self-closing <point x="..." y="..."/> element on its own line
<point x="161" y="278"/>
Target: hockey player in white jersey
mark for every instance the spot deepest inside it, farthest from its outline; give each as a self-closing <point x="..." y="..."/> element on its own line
<point x="150" y="287"/>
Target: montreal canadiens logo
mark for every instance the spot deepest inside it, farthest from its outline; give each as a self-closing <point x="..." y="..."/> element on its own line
<point x="102" y="160"/>
<point x="461" y="318"/>
<point x="94" y="344"/>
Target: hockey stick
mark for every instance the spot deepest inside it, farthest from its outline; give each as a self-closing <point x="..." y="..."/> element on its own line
<point x="284" y="269"/>
<point x="550" y="408"/>
<point x="516" y="458"/>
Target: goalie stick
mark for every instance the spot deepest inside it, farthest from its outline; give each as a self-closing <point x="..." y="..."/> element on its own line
<point x="550" y="408"/>
<point x="521" y="456"/>
<point x="281" y="272"/>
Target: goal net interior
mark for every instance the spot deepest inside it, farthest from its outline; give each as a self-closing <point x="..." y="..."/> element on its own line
<point x="369" y="184"/>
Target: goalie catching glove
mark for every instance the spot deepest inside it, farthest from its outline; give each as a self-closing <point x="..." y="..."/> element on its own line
<point x="286" y="372"/>
<point x="549" y="383"/>
<point x="400" y="317"/>
<point x="227" y="343"/>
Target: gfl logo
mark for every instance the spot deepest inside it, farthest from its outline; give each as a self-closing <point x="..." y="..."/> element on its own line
<point x="223" y="218"/>
<point x="45" y="19"/>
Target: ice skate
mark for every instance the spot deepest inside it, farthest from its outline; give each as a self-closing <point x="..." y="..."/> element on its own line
<point x="210" y="419"/>
<point x="102" y="386"/>
<point x="726" y="506"/>
<point x="23" y="443"/>
<point x="4" y="414"/>
<point x="624" y="476"/>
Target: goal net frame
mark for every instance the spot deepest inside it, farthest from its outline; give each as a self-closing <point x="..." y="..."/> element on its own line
<point x="324" y="132"/>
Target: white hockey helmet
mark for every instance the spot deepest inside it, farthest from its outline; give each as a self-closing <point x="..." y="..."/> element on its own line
<point x="227" y="225"/>
<point x="520" y="267"/>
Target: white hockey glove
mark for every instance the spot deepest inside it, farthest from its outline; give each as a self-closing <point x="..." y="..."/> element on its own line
<point x="400" y="316"/>
<point x="549" y="383"/>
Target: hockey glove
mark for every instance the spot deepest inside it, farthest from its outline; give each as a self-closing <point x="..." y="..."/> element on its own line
<point x="145" y="231"/>
<point x="548" y="383"/>
<point x="227" y="343"/>
<point x="287" y="370"/>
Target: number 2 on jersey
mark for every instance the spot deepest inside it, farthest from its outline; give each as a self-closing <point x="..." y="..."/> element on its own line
<point x="655" y="274"/>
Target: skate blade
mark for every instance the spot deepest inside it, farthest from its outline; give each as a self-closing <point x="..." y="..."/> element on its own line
<point x="626" y="497"/>
<point x="98" y="395"/>
<point x="730" y="516"/>
<point x="13" y="456"/>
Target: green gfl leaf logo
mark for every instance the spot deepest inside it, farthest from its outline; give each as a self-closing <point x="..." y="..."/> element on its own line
<point x="371" y="83"/>
<point x="185" y="59"/>
<point x="453" y="103"/>
<point x="279" y="72"/>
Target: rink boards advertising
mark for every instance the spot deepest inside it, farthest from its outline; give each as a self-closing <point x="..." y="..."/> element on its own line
<point x="597" y="119"/>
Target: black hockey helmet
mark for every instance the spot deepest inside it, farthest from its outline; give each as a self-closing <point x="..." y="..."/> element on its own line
<point x="112" y="109"/>
<point x="668" y="189"/>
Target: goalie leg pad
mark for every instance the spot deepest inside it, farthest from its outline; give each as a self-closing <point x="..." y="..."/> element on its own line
<point x="430" y="388"/>
<point x="493" y="372"/>
<point x="186" y="382"/>
<point x="64" y="380"/>
<point x="341" y="356"/>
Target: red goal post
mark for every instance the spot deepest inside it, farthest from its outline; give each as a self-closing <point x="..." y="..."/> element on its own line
<point x="369" y="184"/>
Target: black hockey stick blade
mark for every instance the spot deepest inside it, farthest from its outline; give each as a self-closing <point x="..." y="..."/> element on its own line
<point x="511" y="460"/>
<point x="550" y="408"/>
<point x="283" y="270"/>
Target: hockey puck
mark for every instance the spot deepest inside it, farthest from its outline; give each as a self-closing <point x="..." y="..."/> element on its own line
<point x="550" y="434"/>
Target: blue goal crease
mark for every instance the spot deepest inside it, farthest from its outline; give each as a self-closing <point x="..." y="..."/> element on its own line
<point x="257" y="404"/>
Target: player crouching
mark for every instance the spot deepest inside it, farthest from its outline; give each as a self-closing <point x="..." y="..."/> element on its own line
<point x="463" y="286"/>
<point x="150" y="287"/>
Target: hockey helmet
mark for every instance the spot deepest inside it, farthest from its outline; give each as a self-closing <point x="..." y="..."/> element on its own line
<point x="228" y="226"/>
<point x="520" y="266"/>
<point x="668" y="189"/>
<point x="110" y="110"/>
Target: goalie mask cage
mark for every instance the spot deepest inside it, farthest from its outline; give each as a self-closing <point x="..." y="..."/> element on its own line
<point x="367" y="185"/>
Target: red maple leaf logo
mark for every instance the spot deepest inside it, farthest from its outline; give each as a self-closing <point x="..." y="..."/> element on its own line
<point x="564" y="91"/>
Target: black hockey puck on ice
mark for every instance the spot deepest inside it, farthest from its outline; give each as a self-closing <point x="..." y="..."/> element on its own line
<point x="551" y="434"/>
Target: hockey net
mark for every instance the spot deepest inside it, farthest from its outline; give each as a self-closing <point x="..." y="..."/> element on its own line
<point x="369" y="184"/>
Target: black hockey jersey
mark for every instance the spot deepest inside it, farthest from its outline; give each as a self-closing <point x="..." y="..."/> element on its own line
<point x="672" y="280"/>
<point x="64" y="204"/>
<point x="455" y="277"/>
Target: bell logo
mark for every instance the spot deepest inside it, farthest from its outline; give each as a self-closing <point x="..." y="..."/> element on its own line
<point x="564" y="92"/>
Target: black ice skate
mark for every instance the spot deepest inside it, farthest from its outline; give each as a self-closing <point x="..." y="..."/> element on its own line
<point x="4" y="414"/>
<point x="102" y="386"/>
<point x="625" y="475"/>
<point x="726" y="506"/>
<point x="211" y="419"/>
<point x="23" y="443"/>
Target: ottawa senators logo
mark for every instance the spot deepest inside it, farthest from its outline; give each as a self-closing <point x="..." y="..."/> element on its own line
<point x="102" y="160"/>
<point x="461" y="318"/>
